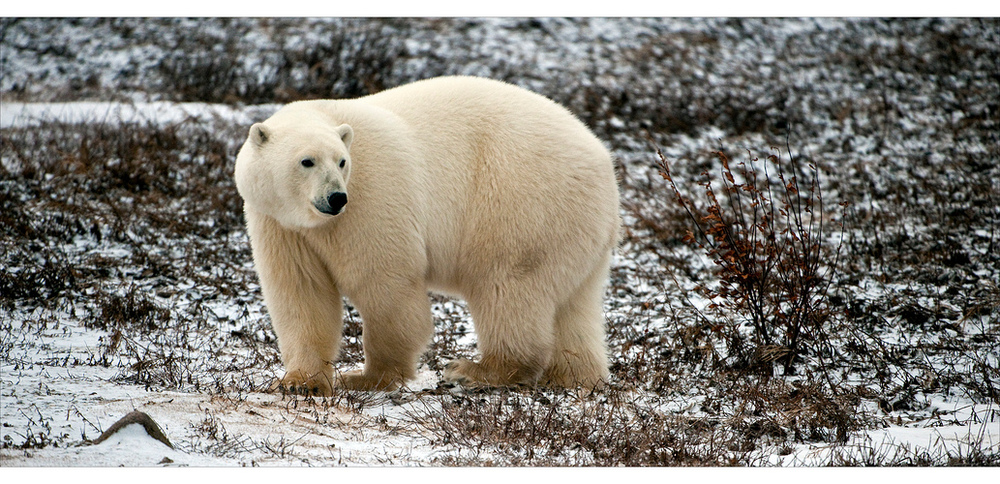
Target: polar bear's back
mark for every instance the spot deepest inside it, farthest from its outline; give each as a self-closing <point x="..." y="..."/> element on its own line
<point x="459" y="95"/>
<point x="461" y="108"/>
<point x="509" y="170"/>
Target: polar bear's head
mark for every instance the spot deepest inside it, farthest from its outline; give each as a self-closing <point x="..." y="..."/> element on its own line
<point x="296" y="172"/>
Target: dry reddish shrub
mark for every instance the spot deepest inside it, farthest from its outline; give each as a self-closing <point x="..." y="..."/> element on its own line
<point x="767" y="244"/>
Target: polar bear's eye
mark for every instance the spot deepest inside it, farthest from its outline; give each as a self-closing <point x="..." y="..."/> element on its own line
<point x="307" y="163"/>
<point x="342" y="162"/>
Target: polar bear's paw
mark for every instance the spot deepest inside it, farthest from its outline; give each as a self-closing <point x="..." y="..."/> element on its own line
<point x="472" y="374"/>
<point x="359" y="380"/>
<point x="299" y="382"/>
<point x="461" y="371"/>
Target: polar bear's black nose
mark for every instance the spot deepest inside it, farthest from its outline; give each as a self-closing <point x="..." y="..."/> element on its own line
<point x="337" y="201"/>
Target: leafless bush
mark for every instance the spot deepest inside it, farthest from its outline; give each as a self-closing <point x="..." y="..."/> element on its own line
<point x="768" y="246"/>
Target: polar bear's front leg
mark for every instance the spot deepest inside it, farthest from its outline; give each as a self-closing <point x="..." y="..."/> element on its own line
<point x="304" y="304"/>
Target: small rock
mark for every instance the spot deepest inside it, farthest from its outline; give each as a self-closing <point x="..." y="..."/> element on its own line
<point x="135" y="417"/>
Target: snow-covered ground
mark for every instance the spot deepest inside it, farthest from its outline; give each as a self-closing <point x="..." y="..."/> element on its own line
<point x="162" y="313"/>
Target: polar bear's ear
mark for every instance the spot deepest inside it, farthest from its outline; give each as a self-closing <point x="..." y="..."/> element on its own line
<point x="346" y="133"/>
<point x="259" y="134"/>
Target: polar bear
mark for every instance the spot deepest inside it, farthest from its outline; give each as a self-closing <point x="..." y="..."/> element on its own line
<point x="461" y="185"/>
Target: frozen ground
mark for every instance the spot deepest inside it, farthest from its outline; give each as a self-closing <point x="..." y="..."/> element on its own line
<point x="127" y="284"/>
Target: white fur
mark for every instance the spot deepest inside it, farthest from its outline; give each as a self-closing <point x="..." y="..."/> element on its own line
<point x="462" y="185"/>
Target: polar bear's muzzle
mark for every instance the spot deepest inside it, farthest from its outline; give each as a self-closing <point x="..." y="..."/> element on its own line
<point x="332" y="204"/>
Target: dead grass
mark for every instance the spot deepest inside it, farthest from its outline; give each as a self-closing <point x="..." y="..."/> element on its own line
<point x="544" y="428"/>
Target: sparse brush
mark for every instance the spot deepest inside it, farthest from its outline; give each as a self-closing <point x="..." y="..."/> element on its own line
<point x="531" y="427"/>
<point x="768" y="247"/>
<point x="352" y="58"/>
<point x="161" y="199"/>
<point x="967" y="451"/>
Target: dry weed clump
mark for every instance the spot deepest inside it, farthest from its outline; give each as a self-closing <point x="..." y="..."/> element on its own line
<point x="133" y="311"/>
<point x="38" y="432"/>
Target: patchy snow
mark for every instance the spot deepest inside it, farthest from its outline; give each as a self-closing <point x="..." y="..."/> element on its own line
<point x="259" y="430"/>
<point x="949" y="432"/>
<point x="16" y="114"/>
<point x="129" y="447"/>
